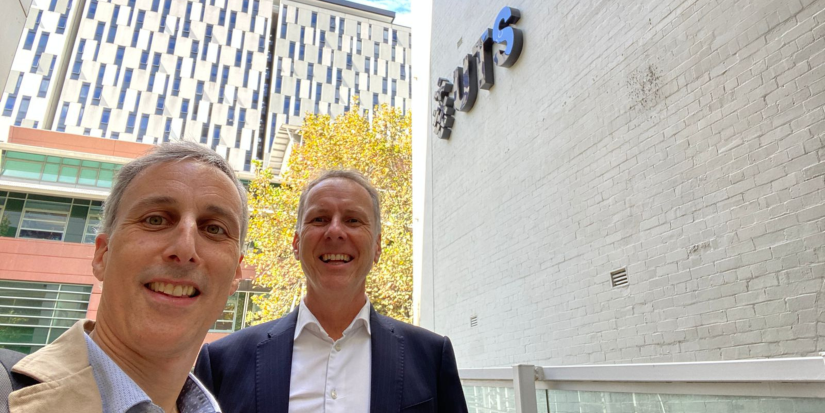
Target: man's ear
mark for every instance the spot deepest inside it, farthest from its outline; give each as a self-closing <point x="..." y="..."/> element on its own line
<point x="295" y="241"/>
<point x="377" y="249"/>
<point x="100" y="257"/>
<point x="238" y="275"/>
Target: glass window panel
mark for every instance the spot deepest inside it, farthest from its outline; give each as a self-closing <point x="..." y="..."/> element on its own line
<point x="43" y="225"/>
<point x="26" y="156"/>
<point x="68" y="174"/>
<point x="22" y="169"/>
<point x="91" y="164"/>
<point x="69" y="161"/>
<point x="88" y="177"/>
<point x="50" y="172"/>
<point x="48" y="206"/>
<point x="104" y="179"/>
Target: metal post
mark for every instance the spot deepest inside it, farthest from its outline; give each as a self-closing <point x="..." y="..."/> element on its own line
<point x="524" y="384"/>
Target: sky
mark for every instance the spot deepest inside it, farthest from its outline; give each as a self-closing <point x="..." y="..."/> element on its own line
<point x="403" y="12"/>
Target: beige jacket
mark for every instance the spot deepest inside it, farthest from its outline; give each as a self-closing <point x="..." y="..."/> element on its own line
<point x="66" y="380"/>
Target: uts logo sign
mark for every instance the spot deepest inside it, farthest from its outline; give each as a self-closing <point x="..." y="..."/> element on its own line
<point x="477" y="70"/>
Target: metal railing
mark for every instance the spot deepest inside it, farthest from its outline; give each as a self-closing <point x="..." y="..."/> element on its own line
<point x="766" y="385"/>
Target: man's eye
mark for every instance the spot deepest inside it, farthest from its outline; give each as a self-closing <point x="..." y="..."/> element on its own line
<point x="154" y="220"/>
<point x="214" y="229"/>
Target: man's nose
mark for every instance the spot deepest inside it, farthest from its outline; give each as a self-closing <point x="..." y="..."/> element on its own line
<point x="335" y="229"/>
<point x="182" y="246"/>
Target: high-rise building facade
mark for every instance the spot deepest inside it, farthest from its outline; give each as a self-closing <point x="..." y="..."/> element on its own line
<point x="328" y="53"/>
<point x="94" y="83"/>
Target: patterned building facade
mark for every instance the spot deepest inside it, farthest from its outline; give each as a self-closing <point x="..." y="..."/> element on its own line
<point x="94" y="83"/>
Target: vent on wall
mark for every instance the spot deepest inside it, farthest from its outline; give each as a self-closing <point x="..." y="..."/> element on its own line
<point x="619" y="277"/>
<point x="473" y="321"/>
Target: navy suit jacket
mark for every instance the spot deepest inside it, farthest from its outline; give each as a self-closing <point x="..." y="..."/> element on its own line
<point x="413" y="370"/>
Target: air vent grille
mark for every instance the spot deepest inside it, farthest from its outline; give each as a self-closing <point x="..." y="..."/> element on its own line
<point x="619" y="277"/>
<point x="473" y="321"/>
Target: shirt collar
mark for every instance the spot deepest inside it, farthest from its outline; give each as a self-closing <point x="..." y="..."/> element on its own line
<point x="119" y="393"/>
<point x="307" y="319"/>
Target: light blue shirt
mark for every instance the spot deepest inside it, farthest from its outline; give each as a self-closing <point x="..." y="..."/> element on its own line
<point x="120" y="394"/>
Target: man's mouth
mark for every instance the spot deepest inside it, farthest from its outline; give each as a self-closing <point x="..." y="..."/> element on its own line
<point x="173" y="290"/>
<point x="336" y="258"/>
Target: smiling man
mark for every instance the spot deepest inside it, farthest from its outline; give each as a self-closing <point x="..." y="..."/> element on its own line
<point x="334" y="353"/>
<point x="168" y="255"/>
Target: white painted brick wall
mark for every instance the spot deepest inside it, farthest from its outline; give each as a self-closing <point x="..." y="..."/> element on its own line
<point x="683" y="140"/>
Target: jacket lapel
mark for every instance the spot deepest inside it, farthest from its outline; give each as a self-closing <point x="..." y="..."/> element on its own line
<point x="65" y="376"/>
<point x="273" y="366"/>
<point x="387" y="365"/>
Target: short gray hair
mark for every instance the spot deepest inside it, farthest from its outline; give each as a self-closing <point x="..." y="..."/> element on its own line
<point x="351" y="175"/>
<point x="169" y="152"/>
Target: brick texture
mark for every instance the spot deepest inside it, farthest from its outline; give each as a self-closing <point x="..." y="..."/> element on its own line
<point x="683" y="140"/>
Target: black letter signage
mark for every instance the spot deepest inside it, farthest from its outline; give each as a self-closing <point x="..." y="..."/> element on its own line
<point x="476" y="71"/>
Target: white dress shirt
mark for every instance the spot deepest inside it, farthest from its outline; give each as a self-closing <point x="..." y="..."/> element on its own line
<point x="331" y="376"/>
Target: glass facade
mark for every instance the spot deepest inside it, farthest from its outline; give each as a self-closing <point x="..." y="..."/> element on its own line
<point x="56" y="170"/>
<point x="234" y="316"/>
<point x="48" y="217"/>
<point x="503" y="400"/>
<point x="33" y="314"/>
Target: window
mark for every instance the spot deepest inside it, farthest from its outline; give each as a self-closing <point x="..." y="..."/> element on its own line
<point x="403" y="72"/>
<point x="112" y="32"/>
<point x="29" y="40"/>
<point x="384" y="85"/>
<point x="159" y="107"/>
<point x="184" y="109"/>
<point x="144" y="124"/>
<point x="144" y="60"/>
<point x="314" y="20"/>
<point x="358" y="29"/>
<point x="341" y="26"/>
<point x="92" y="224"/>
<point x="318" y="89"/>
<point x="171" y="48"/>
<point x="96" y="95"/>
<point x="374" y="99"/>
<point x="339" y="77"/>
<point x="222" y="17"/>
<point x="155" y="4"/>
<point x="213" y="75"/>
<point x="393" y="54"/>
<point x="245" y="6"/>
<point x="234" y="316"/>
<point x="61" y="24"/>
<point x="297" y="111"/>
<point x="278" y="84"/>
<point x="386" y="35"/>
<point x="340" y="42"/>
<point x="375" y="51"/>
<point x="61" y="123"/>
<point x="291" y="50"/>
<point x="395" y="37"/>
<point x="287" y="104"/>
<point x="310" y="71"/>
<point x="22" y="111"/>
<point x="167" y="130"/>
<point x="349" y="61"/>
<point x="297" y="88"/>
<point x="329" y="75"/>
<point x="99" y="31"/>
<point x="130" y="123"/>
<point x="9" y="105"/>
<point x="216" y="136"/>
<point x="104" y="119"/>
<point x="37" y="313"/>
<point x="92" y="10"/>
<point x="301" y="51"/>
<point x="331" y="23"/>
<point x="358" y="46"/>
<point x="230" y="117"/>
<point x="77" y="60"/>
<point x="44" y="86"/>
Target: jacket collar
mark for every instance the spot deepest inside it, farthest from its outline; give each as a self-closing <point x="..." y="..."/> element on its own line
<point x="273" y="367"/>
<point x="64" y="373"/>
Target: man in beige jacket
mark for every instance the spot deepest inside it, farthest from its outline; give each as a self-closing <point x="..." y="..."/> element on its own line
<point x="168" y="255"/>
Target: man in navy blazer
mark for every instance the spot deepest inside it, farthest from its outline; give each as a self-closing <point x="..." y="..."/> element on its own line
<point x="334" y="353"/>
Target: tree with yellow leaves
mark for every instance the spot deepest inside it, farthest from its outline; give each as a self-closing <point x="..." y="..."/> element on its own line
<point x="381" y="150"/>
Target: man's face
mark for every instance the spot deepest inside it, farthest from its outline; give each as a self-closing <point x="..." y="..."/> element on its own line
<point x="338" y="242"/>
<point x="172" y="259"/>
